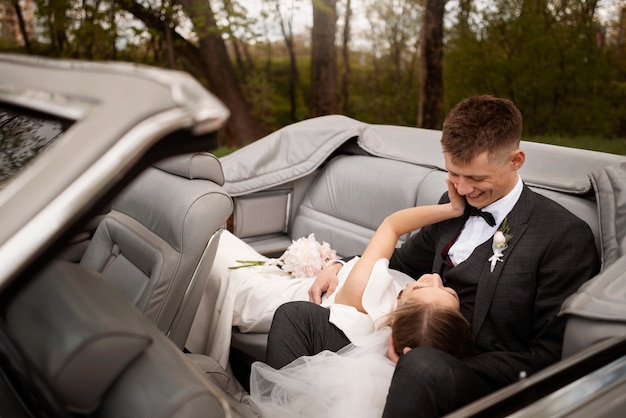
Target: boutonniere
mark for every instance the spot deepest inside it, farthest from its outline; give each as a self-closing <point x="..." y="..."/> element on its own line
<point x="500" y="243"/>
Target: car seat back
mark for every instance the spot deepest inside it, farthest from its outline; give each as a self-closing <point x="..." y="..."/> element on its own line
<point x="158" y="243"/>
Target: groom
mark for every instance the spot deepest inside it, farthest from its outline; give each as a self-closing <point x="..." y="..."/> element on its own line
<point x="512" y="300"/>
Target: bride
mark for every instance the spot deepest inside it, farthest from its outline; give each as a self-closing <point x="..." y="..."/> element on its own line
<point x="382" y="325"/>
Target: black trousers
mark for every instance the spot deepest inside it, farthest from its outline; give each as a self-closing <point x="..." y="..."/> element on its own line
<point x="301" y="329"/>
<point x="426" y="382"/>
<point x="431" y="383"/>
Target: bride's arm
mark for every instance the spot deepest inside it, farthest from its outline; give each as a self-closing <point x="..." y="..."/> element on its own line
<point x="385" y="238"/>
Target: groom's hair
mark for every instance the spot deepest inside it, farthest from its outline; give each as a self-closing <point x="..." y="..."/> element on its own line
<point x="431" y="325"/>
<point x="481" y="123"/>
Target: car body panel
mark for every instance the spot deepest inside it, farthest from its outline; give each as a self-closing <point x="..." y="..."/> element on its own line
<point x="123" y="111"/>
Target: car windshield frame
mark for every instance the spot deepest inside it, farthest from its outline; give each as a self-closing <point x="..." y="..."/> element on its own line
<point x="125" y="117"/>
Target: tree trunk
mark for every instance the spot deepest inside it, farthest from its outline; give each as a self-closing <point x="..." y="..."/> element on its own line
<point x="345" y="53"/>
<point x="431" y="68"/>
<point x="465" y="9"/>
<point x="211" y="59"/>
<point x="22" y="24"/>
<point x="293" y="77"/>
<point x="169" y="42"/>
<point x="323" y="58"/>
<point x="220" y="74"/>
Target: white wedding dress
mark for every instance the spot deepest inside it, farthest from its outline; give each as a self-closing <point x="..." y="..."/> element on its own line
<point x="247" y="298"/>
<point x="350" y="383"/>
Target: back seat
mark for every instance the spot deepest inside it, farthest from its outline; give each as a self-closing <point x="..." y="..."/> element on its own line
<point x="387" y="168"/>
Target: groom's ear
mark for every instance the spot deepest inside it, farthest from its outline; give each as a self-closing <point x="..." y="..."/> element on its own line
<point x="406" y="350"/>
<point x="517" y="159"/>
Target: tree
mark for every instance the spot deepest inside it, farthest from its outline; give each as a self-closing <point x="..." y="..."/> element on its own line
<point x="210" y="59"/>
<point x="22" y="26"/>
<point x="286" y="28"/>
<point x="431" y="66"/>
<point x="543" y="57"/>
<point x="55" y="17"/>
<point x="324" y="58"/>
<point x="465" y="10"/>
<point x="345" y="54"/>
<point x="389" y="89"/>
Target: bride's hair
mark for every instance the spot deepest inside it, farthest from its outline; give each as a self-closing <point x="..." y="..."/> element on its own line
<point x="431" y="325"/>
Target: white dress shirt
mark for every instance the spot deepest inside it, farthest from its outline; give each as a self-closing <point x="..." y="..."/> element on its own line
<point x="476" y="231"/>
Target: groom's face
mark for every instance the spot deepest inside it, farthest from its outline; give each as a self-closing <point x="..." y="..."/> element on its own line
<point x="484" y="180"/>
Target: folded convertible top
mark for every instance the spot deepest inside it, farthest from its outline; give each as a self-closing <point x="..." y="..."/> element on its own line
<point x="298" y="149"/>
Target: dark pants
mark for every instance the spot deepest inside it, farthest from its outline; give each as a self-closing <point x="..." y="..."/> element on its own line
<point x="301" y="329"/>
<point x="426" y="383"/>
<point x="431" y="383"/>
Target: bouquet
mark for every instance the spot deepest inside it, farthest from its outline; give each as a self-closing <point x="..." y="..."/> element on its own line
<point x="305" y="257"/>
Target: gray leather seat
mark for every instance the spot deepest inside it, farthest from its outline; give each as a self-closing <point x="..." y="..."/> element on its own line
<point x="158" y="243"/>
<point x="92" y="354"/>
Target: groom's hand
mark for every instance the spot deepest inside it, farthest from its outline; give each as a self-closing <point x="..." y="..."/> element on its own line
<point x="325" y="282"/>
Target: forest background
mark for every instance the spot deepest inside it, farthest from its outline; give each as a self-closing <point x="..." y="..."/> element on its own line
<point x="399" y="62"/>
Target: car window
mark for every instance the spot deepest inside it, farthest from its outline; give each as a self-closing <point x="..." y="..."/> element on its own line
<point x="23" y="136"/>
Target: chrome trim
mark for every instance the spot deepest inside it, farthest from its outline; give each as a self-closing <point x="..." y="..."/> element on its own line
<point x="571" y="397"/>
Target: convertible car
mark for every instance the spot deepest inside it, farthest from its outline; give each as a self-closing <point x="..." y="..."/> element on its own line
<point x="113" y="208"/>
<point x="338" y="178"/>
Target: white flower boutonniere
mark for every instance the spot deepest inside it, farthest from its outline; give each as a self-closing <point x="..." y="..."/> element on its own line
<point x="500" y="243"/>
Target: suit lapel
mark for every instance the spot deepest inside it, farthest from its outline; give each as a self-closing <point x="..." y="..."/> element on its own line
<point x="518" y="223"/>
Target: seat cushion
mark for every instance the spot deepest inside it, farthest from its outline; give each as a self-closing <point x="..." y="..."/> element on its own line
<point x="353" y="195"/>
<point x="76" y="333"/>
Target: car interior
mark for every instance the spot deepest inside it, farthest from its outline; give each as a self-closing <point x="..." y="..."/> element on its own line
<point x="87" y="332"/>
<point x="157" y="244"/>
<point x="110" y="318"/>
<point x="109" y="229"/>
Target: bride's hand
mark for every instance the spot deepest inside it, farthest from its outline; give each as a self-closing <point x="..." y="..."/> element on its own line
<point x="456" y="200"/>
<point x="325" y="282"/>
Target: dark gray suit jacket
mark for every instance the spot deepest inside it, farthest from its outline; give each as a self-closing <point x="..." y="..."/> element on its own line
<point x="514" y="309"/>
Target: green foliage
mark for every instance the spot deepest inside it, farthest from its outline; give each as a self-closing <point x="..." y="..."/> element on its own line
<point x="543" y="58"/>
<point x="280" y="106"/>
<point x="376" y="96"/>
<point x="540" y="53"/>
<point x="595" y="143"/>
<point x="222" y="151"/>
<point x="261" y="97"/>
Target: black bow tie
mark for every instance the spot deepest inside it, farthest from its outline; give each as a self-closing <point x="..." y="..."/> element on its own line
<point x="488" y="217"/>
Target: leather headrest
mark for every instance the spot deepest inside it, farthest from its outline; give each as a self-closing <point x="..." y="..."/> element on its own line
<point x="200" y="165"/>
